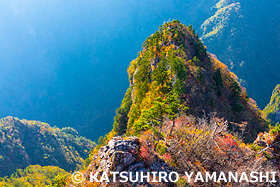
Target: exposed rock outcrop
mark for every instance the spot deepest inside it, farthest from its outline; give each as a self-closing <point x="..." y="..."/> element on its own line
<point x="124" y="154"/>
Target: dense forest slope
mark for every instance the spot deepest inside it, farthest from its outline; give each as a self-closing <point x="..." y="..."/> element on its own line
<point x="272" y="110"/>
<point x="184" y="111"/>
<point x="25" y="143"/>
<point x="35" y="175"/>
<point x="244" y="34"/>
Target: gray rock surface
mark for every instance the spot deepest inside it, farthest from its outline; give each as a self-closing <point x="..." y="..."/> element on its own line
<point x="124" y="154"/>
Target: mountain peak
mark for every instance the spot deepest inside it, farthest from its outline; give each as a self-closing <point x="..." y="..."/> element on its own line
<point x="175" y="35"/>
<point x="181" y="103"/>
<point x="174" y="65"/>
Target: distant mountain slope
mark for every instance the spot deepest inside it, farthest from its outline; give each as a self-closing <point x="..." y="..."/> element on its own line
<point x="24" y="143"/>
<point x="272" y="110"/>
<point x="244" y="34"/>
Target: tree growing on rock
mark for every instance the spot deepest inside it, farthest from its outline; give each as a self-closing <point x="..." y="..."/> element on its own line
<point x="169" y="108"/>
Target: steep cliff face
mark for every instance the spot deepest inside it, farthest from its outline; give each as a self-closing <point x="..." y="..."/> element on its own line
<point x="174" y="67"/>
<point x="244" y="34"/>
<point x="272" y="110"/>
